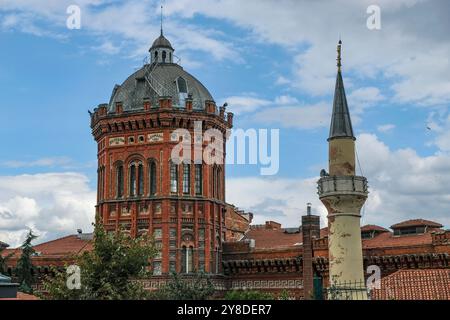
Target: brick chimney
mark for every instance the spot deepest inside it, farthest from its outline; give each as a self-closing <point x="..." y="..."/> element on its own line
<point x="310" y="230"/>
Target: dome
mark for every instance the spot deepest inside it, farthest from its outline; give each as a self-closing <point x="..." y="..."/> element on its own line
<point x="161" y="42"/>
<point x="132" y="92"/>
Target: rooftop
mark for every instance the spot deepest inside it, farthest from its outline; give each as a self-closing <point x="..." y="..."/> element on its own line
<point x="416" y="223"/>
<point x="427" y="284"/>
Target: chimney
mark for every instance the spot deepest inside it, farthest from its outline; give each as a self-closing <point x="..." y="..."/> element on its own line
<point x="230" y="118"/>
<point x="188" y="102"/>
<point x="310" y="230"/>
<point x="119" y="108"/>
<point x="165" y="102"/>
<point x="146" y="104"/>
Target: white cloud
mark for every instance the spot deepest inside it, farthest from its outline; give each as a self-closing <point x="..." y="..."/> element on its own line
<point x="386" y="127"/>
<point x="42" y="162"/>
<point x="244" y="104"/>
<point x="300" y="116"/>
<point x="52" y="204"/>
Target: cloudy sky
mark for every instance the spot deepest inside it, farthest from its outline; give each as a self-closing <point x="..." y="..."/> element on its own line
<point x="272" y="61"/>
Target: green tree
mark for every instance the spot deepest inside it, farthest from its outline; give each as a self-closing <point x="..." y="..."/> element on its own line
<point x="197" y="286"/>
<point x="248" y="295"/>
<point x="107" y="272"/>
<point x="24" y="268"/>
<point x="4" y="260"/>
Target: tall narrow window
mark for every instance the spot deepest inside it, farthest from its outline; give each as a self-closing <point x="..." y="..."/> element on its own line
<point x="152" y="177"/>
<point x="119" y="181"/>
<point x="164" y="55"/>
<point x="198" y="179"/>
<point x="184" y="258"/>
<point x="140" y="179"/>
<point x="214" y="181"/>
<point x="173" y="177"/>
<point x="190" y="259"/>
<point x="186" y="178"/>
<point x="217" y="260"/>
<point x="132" y="180"/>
<point x="182" y="91"/>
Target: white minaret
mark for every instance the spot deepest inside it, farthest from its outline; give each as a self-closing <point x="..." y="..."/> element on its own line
<point x="343" y="194"/>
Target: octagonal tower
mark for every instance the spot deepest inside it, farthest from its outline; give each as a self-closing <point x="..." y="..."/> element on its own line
<point x="140" y="188"/>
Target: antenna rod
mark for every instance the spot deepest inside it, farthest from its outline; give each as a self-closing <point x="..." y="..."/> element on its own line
<point x="161" y="19"/>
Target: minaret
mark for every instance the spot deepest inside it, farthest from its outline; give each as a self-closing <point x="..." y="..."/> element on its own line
<point x="343" y="194"/>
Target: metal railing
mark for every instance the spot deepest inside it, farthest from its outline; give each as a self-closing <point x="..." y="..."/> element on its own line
<point x="347" y="290"/>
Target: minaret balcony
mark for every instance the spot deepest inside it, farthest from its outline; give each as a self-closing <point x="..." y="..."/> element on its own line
<point x="342" y="185"/>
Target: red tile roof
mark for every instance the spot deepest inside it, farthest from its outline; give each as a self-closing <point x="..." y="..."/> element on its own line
<point x="416" y="223"/>
<point x="277" y="238"/>
<point x="22" y="296"/>
<point x="372" y="227"/>
<point x="59" y="247"/>
<point x="273" y="238"/>
<point x="427" y="284"/>
<point x="387" y="239"/>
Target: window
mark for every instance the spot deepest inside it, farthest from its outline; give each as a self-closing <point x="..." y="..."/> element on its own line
<point x="119" y="181"/>
<point x="182" y="91"/>
<point x="140" y="179"/>
<point x="157" y="233"/>
<point x="187" y="259"/>
<point x="156" y="56"/>
<point x="172" y="266"/>
<point x="157" y="268"/>
<point x="164" y="56"/>
<point x="186" y="178"/>
<point x="173" y="233"/>
<point x="173" y="177"/>
<point x="198" y="179"/>
<point x="152" y="177"/>
<point x="217" y="260"/>
<point x="132" y="180"/>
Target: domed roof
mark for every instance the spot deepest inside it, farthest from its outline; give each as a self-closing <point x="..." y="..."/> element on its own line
<point x="162" y="42"/>
<point x="132" y="92"/>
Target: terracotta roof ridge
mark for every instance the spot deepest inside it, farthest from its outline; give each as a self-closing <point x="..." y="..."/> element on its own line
<point x="54" y="240"/>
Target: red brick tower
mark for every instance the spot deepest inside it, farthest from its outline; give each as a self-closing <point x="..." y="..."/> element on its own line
<point x="140" y="188"/>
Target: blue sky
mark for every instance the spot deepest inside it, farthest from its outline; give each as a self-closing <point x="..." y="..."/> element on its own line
<point x="272" y="61"/>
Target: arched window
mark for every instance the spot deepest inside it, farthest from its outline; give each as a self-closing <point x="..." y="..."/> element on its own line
<point x="164" y="56"/>
<point x="152" y="177"/>
<point x="156" y="56"/>
<point x="119" y="180"/>
<point x="186" y="178"/>
<point x="132" y="190"/>
<point x="173" y="177"/>
<point x="198" y="179"/>
<point x="140" y="179"/>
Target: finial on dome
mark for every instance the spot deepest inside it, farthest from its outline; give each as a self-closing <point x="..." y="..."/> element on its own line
<point x="161" y="19"/>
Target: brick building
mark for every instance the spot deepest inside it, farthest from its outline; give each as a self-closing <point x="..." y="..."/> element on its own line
<point x="142" y="189"/>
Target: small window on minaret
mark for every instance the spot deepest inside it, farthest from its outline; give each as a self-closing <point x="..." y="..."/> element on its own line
<point x="164" y="55"/>
<point x="156" y="56"/>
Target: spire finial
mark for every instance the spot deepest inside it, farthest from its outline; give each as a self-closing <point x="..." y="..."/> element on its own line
<point x="339" y="54"/>
<point x="161" y="19"/>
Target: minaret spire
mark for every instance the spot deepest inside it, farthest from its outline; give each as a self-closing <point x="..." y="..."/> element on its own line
<point x="341" y="124"/>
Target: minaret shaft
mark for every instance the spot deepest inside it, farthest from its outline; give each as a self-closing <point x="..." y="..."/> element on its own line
<point x="343" y="194"/>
